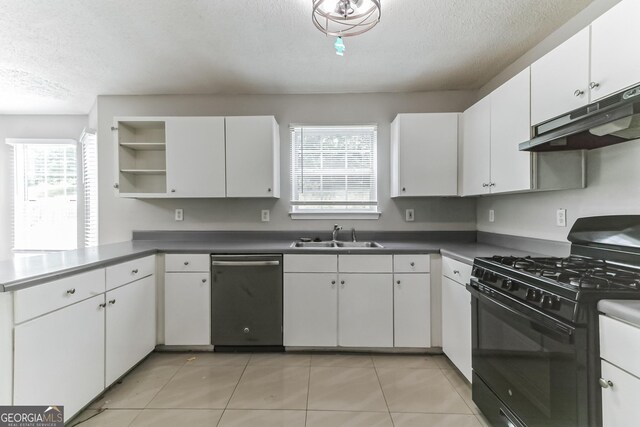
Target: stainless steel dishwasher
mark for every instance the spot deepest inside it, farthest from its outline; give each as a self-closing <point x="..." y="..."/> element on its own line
<point x="246" y="302"/>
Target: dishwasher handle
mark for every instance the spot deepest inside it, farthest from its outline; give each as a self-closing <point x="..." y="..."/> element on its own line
<point x="244" y="263"/>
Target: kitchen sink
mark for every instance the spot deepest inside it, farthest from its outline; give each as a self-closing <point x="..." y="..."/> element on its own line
<point x="335" y="245"/>
<point x="358" y="245"/>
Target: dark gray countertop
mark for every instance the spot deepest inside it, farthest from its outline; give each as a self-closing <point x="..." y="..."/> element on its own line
<point x="24" y="272"/>
<point x="626" y="310"/>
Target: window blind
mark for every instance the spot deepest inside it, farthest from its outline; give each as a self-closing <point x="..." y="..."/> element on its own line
<point x="89" y="150"/>
<point x="333" y="168"/>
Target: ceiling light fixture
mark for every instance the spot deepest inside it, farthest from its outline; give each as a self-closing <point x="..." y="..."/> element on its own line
<point x="345" y="18"/>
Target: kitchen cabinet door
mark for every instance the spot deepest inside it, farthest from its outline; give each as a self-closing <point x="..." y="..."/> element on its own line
<point x="59" y="357"/>
<point x="615" y="64"/>
<point x="424" y="155"/>
<point x="456" y="325"/>
<point x="511" y="125"/>
<point x="560" y="79"/>
<point x="476" y="148"/>
<point x="187" y="309"/>
<point x="310" y="309"/>
<point x="365" y="310"/>
<point x="412" y="314"/>
<point x="619" y="401"/>
<point x="253" y="156"/>
<point x="131" y="326"/>
<point x="195" y="157"/>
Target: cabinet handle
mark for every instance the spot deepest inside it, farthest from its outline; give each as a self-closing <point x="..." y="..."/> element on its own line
<point x="103" y="305"/>
<point x="269" y="190"/>
<point x="605" y="383"/>
<point x="134" y="271"/>
<point x="594" y="85"/>
<point x="456" y="271"/>
<point x="204" y="280"/>
<point x="578" y="93"/>
<point x="173" y="190"/>
<point x="116" y="185"/>
<point x="71" y="291"/>
<point x="186" y="263"/>
<point x="112" y="302"/>
<point x="404" y="189"/>
<point x="484" y="184"/>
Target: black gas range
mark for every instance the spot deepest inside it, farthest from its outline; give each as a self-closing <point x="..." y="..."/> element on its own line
<point x="535" y="325"/>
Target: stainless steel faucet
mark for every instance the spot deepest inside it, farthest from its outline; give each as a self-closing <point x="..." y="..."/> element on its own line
<point x="334" y="235"/>
<point x="353" y="234"/>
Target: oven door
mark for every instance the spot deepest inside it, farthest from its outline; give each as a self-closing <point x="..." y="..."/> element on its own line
<point x="529" y="361"/>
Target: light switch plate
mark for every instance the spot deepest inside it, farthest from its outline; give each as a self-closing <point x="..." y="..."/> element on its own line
<point x="561" y="217"/>
<point x="409" y="215"/>
<point x="492" y="215"/>
<point x="179" y="215"/>
<point x="265" y="215"/>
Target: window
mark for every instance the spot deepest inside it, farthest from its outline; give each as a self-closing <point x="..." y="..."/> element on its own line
<point x="45" y="195"/>
<point x="333" y="171"/>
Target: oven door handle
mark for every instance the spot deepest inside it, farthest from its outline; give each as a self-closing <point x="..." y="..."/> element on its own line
<point x="538" y="318"/>
<point x="511" y="420"/>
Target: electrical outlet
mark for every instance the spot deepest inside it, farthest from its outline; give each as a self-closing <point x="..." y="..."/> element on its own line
<point x="179" y="215"/>
<point x="409" y="215"/>
<point x="265" y="215"/>
<point x="561" y="217"/>
<point x="492" y="215"/>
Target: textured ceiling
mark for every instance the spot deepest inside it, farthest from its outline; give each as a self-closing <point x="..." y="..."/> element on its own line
<point x="57" y="55"/>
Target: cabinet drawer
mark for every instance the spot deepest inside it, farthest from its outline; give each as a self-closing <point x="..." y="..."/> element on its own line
<point x="411" y="263"/>
<point x="38" y="300"/>
<point x="365" y="263"/>
<point x="127" y="272"/>
<point x="310" y="263"/>
<point x="620" y="344"/>
<point x="456" y="270"/>
<point x="187" y="262"/>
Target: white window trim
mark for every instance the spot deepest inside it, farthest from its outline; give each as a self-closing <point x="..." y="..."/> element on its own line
<point x="341" y="215"/>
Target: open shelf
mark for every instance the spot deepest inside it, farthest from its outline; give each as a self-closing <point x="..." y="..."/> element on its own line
<point x="145" y="171"/>
<point x="142" y="146"/>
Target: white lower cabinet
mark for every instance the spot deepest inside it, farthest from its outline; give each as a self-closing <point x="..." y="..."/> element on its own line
<point x="187" y="309"/>
<point x="130" y="326"/>
<point x="619" y="400"/>
<point x="310" y="309"/>
<point x="411" y="313"/>
<point x="59" y="357"/>
<point x="365" y="310"/>
<point x="456" y="325"/>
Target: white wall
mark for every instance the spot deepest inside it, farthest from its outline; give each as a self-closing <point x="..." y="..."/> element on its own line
<point x="613" y="176"/>
<point x="26" y="126"/>
<point x="118" y="217"/>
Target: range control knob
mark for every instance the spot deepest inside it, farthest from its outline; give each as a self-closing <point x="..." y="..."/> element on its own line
<point x="509" y="285"/>
<point x="551" y="302"/>
<point x="533" y="295"/>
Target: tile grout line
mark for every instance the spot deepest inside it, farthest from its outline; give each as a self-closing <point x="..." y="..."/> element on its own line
<point x="306" y="412"/>
<point x="456" y="389"/>
<point x="226" y="406"/>
<point x="375" y="368"/>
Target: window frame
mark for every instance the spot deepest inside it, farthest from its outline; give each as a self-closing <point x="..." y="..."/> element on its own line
<point x="369" y="214"/>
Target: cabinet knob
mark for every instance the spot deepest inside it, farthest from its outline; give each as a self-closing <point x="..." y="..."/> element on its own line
<point x="71" y="291"/>
<point x="605" y="383"/>
<point x="269" y="190"/>
<point x="115" y="185"/>
<point x="456" y="271"/>
<point x="594" y="85"/>
<point x="412" y="264"/>
<point x="333" y="282"/>
<point x="173" y="190"/>
<point x="398" y="282"/>
<point x="134" y="271"/>
<point x="246" y="330"/>
<point x="492" y="184"/>
<point x="578" y="93"/>
<point x="112" y="302"/>
<point x="404" y="189"/>
<point x="103" y="305"/>
<point x="484" y="184"/>
<point x="186" y="263"/>
<point x="204" y="280"/>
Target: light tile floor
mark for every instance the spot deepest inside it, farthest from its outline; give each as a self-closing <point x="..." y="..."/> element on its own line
<point x="297" y="390"/>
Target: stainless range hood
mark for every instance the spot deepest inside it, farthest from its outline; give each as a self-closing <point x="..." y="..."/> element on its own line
<point x="609" y="121"/>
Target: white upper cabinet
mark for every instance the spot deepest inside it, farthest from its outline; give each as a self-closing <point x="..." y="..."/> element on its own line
<point x="615" y="63"/>
<point x="195" y="157"/>
<point x="510" y="125"/>
<point x="253" y="156"/>
<point x="424" y="155"/>
<point x="560" y="79"/>
<point x="476" y="148"/>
